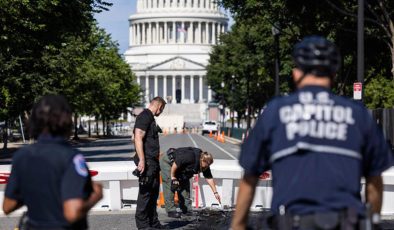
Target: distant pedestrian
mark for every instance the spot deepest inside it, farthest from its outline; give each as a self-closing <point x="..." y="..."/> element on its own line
<point x="318" y="146"/>
<point x="177" y="168"/>
<point x="50" y="177"/>
<point x="146" y="141"/>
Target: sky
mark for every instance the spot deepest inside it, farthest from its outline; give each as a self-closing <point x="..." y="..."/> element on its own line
<point x="115" y="21"/>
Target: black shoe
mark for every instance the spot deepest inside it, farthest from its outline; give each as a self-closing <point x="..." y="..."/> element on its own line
<point x="174" y="214"/>
<point x="160" y="226"/>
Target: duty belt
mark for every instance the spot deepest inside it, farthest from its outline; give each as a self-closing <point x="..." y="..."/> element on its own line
<point x="328" y="221"/>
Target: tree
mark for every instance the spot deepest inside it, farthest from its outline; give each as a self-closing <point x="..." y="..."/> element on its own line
<point x="335" y="19"/>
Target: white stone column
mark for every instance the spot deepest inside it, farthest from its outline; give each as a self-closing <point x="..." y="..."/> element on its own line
<point x="161" y="3"/>
<point x="182" y="88"/>
<point x="199" y="32"/>
<point x="173" y="32"/>
<point x="143" y="40"/>
<point x="149" y="4"/>
<point x="150" y="33"/>
<point x="183" y="34"/>
<point x="131" y="34"/>
<point x="165" y="33"/>
<point x="188" y="3"/>
<point x="200" y="95"/>
<point x="222" y="27"/>
<point x="206" y="4"/>
<point x="157" y="32"/>
<point x="138" y="34"/>
<point x="174" y="89"/>
<point x="191" y="33"/>
<point x="207" y="32"/>
<point x="154" y="4"/>
<point x="156" y="86"/>
<point x="191" y="89"/>
<point x="138" y="78"/>
<point x="213" y="33"/>
<point x="165" y="87"/>
<point x="209" y="94"/>
<point x="147" y="88"/>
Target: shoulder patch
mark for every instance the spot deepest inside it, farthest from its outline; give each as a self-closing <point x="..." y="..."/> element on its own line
<point x="80" y="165"/>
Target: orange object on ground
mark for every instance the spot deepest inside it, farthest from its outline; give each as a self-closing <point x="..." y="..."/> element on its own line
<point x="160" y="201"/>
<point x="210" y="133"/>
<point x="222" y="137"/>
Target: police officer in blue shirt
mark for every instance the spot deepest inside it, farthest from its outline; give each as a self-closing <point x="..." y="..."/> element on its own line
<point x="318" y="146"/>
<point x="49" y="177"/>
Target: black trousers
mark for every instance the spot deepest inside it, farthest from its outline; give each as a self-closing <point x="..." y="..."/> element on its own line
<point x="146" y="213"/>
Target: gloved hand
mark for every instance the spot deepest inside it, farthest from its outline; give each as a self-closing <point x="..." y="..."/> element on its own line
<point x="175" y="186"/>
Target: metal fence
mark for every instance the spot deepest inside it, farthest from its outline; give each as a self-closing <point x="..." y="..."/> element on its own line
<point x="385" y="119"/>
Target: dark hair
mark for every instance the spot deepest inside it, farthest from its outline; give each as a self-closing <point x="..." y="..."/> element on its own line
<point x="51" y="114"/>
<point x="159" y="100"/>
<point x="317" y="55"/>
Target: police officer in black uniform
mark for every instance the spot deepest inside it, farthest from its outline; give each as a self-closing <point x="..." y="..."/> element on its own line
<point x="146" y="141"/>
<point x="318" y="146"/>
<point x="177" y="167"/>
<point x="50" y="177"/>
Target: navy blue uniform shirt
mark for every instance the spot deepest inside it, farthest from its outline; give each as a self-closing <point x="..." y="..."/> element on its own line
<point x="318" y="146"/>
<point x="146" y="122"/>
<point x="43" y="176"/>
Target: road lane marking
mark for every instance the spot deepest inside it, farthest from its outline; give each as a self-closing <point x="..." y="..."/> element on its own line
<point x="217" y="146"/>
<point x="194" y="142"/>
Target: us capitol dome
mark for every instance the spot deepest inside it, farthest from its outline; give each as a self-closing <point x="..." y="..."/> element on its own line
<point x="169" y="45"/>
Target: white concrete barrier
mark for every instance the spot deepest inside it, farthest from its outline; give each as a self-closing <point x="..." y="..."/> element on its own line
<point x="121" y="186"/>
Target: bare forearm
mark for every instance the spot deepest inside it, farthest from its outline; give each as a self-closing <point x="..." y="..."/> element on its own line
<point x="174" y="167"/>
<point x="139" y="149"/>
<point x="10" y="205"/>
<point x="245" y="196"/>
<point x="374" y="193"/>
<point x="212" y="184"/>
<point x="76" y="209"/>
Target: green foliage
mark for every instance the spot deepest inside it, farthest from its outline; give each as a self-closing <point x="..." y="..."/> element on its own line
<point x="49" y="46"/>
<point x="334" y="19"/>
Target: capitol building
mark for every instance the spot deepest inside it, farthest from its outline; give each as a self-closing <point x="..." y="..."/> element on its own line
<point x="169" y="45"/>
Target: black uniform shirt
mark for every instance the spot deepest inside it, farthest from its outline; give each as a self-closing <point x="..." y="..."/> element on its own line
<point x="146" y="122"/>
<point x="185" y="159"/>
<point x="43" y="176"/>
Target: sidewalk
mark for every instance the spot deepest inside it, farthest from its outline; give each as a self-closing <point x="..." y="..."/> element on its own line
<point x="125" y="220"/>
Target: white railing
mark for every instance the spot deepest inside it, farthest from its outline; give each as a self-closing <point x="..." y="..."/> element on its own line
<point x="121" y="186"/>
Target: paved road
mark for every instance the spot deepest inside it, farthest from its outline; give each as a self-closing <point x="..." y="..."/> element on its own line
<point x="121" y="148"/>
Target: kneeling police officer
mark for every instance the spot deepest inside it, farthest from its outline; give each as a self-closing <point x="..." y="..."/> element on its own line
<point x="177" y="167"/>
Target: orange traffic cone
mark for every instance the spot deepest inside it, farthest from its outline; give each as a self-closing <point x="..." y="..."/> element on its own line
<point x="222" y="137"/>
<point x="216" y="136"/>
<point x="176" y="199"/>
<point x="210" y="134"/>
<point x="160" y="201"/>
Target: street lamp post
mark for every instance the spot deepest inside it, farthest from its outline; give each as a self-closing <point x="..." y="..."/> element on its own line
<point x="276" y="34"/>
<point x="222" y="84"/>
<point x="360" y="43"/>
<point x="232" y="102"/>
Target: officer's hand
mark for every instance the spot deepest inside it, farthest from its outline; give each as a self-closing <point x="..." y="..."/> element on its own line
<point x="175" y="185"/>
<point x="141" y="166"/>
<point x="97" y="191"/>
<point x="217" y="196"/>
